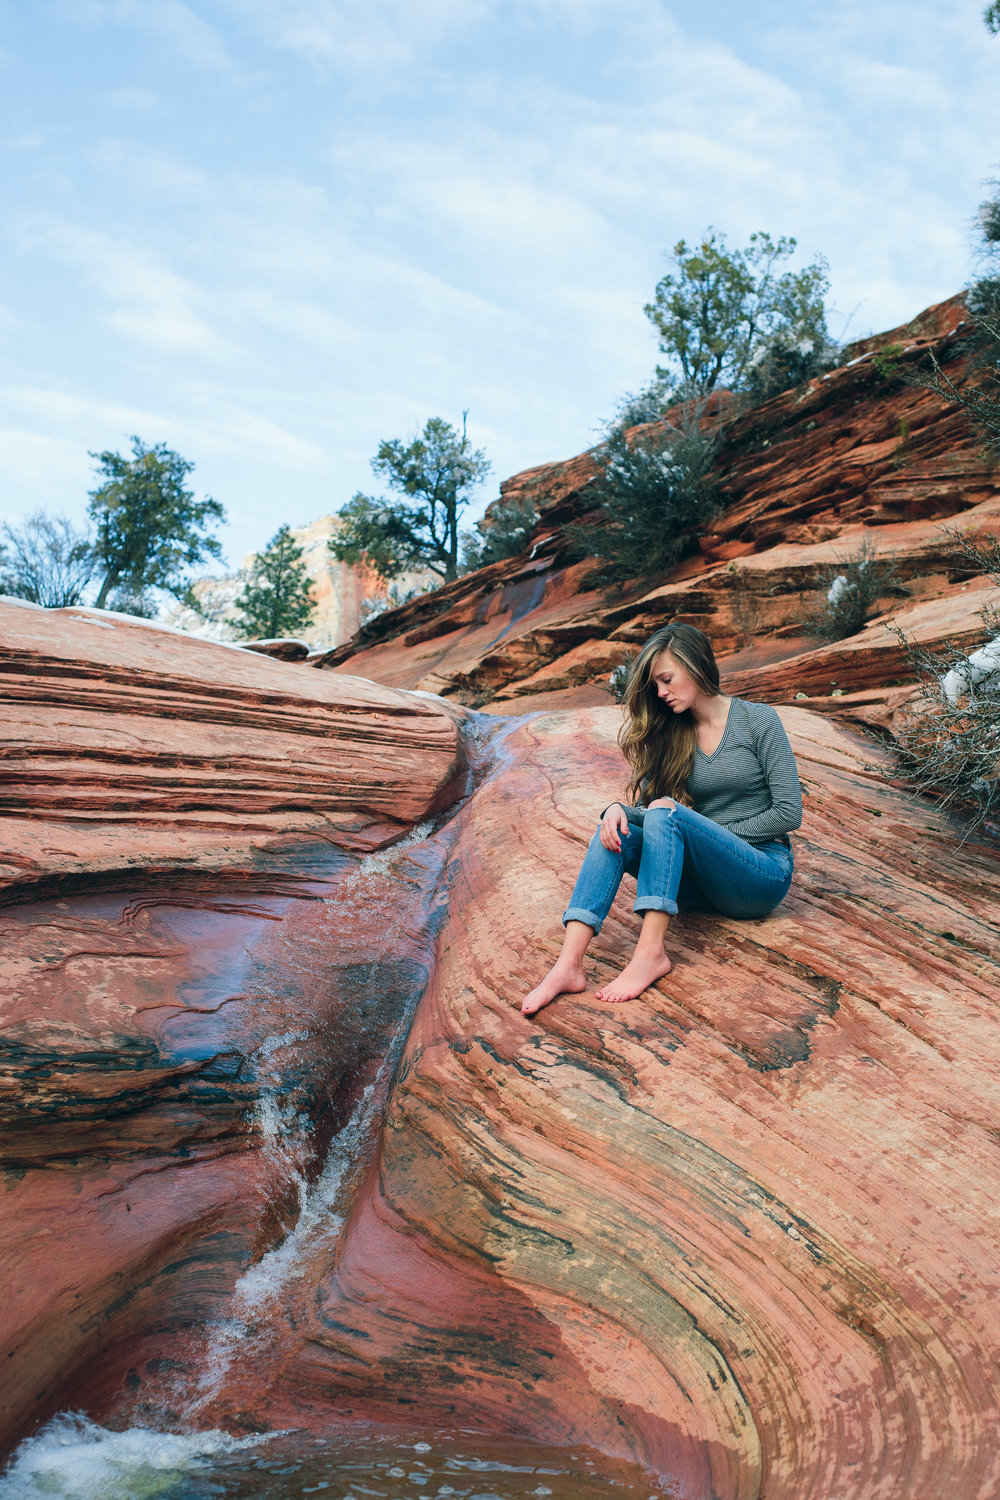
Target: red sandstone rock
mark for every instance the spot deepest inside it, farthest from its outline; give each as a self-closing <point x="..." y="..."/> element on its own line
<point x="126" y="746"/>
<point x="281" y="648"/>
<point x="875" y="657"/>
<point x="803" y="477"/>
<point x="743" y="1229"/>
<point x="169" y="1061"/>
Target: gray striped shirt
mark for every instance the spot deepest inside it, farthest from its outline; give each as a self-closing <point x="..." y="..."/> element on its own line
<point x="749" y="784"/>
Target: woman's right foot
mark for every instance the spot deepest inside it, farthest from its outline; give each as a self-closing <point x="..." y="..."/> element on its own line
<point x="563" y="979"/>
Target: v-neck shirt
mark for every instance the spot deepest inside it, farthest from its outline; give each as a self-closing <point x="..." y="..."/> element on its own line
<point x="750" y="783"/>
<point x="710" y="755"/>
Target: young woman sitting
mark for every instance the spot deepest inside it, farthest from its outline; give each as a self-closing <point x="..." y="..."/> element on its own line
<point x="721" y="795"/>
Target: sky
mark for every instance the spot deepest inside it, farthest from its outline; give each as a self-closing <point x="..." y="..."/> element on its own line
<point x="271" y="233"/>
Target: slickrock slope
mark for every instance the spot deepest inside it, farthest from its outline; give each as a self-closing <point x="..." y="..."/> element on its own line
<point x="209" y="979"/>
<point x="129" y="747"/>
<point x="743" y="1229"/>
<point x="803" y="478"/>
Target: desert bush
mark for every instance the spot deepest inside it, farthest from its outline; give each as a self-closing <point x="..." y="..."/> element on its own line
<point x="505" y="532"/>
<point x="949" y="748"/>
<point x="747" y="612"/>
<point x="651" y="494"/>
<point x="618" y="680"/>
<point x="648" y="404"/>
<point x="980" y="396"/>
<point x="373" y="605"/>
<point x="853" y="584"/>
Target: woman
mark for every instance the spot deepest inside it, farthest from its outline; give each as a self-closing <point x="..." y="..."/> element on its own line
<point x="724" y="795"/>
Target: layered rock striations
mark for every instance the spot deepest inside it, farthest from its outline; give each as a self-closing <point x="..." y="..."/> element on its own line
<point x="128" y="747"/>
<point x="859" y="452"/>
<point x="742" y="1230"/>
<point x="203" y="972"/>
<point x="265" y="933"/>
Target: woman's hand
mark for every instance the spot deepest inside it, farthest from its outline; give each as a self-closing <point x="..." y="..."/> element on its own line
<point x="614" y="826"/>
<point x="661" y="802"/>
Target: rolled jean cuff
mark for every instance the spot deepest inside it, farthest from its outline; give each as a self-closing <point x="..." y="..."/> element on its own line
<point x="581" y="914"/>
<point x="655" y="903"/>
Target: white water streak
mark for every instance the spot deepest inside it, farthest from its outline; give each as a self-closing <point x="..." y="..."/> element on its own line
<point x="72" y="1458"/>
<point x="282" y="1133"/>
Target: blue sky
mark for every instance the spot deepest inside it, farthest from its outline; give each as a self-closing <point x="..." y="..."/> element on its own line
<point x="272" y="232"/>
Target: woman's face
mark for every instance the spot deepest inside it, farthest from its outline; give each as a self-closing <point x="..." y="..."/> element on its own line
<point x="675" y="689"/>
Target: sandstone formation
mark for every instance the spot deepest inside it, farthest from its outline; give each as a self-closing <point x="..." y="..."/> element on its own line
<point x="129" y="747"/>
<point x="185" y="1016"/>
<point x="859" y="452"/>
<point x="742" y="1230"/>
<point x="265" y="932"/>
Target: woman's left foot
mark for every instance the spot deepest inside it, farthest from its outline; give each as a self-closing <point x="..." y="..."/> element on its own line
<point x="644" y="970"/>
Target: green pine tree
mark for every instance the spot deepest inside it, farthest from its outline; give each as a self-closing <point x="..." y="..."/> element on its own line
<point x="149" y="524"/>
<point x="277" y="599"/>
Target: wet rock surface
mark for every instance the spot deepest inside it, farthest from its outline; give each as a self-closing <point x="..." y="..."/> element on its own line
<point x="173" y="1067"/>
<point x="741" y="1231"/>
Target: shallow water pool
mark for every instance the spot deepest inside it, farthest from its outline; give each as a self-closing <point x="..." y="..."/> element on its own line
<point x="74" y="1459"/>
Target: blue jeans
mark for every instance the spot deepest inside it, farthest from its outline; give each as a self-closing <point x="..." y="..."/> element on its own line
<point x="682" y="860"/>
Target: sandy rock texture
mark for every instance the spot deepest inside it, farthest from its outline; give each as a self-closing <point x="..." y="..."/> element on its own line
<point x="743" y="1229"/>
<point x="129" y="747"/>
<point x="265" y="931"/>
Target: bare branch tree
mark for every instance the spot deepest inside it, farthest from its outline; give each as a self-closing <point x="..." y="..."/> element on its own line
<point x="46" y="560"/>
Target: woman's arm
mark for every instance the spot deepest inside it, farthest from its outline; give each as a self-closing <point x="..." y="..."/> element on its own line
<point x="778" y="764"/>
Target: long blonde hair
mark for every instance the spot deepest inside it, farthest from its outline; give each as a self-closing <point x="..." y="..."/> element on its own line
<point x="658" y="744"/>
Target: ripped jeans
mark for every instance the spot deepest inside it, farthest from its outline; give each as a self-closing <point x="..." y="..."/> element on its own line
<point x="682" y="860"/>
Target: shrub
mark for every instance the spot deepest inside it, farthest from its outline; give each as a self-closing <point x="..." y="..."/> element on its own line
<point x="373" y="605"/>
<point x="505" y="532"/>
<point x="980" y="398"/>
<point x="747" y="613"/>
<point x="647" y="405"/>
<point x="950" y="746"/>
<point x="651" y="493"/>
<point x="853" y="586"/>
<point x="618" y="680"/>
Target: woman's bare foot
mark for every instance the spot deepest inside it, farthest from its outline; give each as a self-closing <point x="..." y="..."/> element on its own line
<point x="644" y="970"/>
<point x="562" y="979"/>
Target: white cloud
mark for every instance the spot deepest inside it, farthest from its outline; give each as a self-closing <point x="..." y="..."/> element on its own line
<point x="148" y="174"/>
<point x="464" y="203"/>
<point x="382" y="35"/>
<point x="179" y="27"/>
<point x="145" y="301"/>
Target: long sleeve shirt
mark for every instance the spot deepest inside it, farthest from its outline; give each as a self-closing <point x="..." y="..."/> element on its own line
<point x="749" y="784"/>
